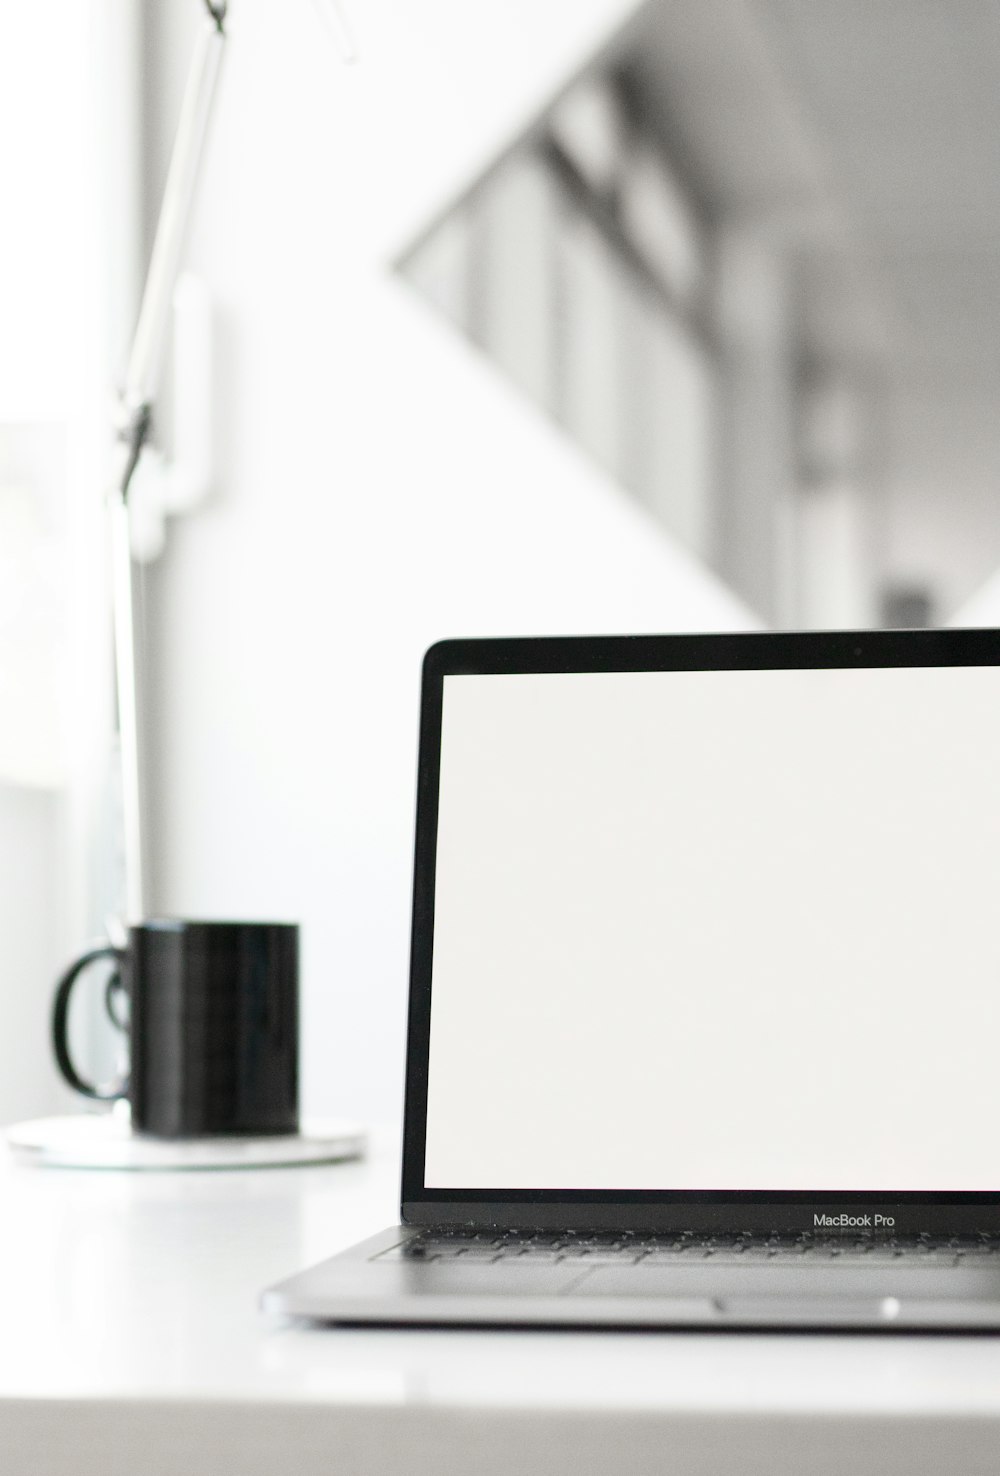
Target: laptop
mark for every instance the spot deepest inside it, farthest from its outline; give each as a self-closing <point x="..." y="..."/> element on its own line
<point x="704" y="1020"/>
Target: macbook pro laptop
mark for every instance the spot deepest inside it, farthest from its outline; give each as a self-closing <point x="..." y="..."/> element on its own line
<point x="704" y="1018"/>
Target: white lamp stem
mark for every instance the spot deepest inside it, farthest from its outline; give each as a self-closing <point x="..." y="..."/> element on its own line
<point x="127" y="707"/>
<point x="141" y="381"/>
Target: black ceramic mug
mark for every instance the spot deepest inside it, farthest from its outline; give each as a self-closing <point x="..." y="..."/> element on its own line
<point x="211" y="1014"/>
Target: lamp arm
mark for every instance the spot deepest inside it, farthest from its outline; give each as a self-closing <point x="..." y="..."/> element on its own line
<point x="135" y="417"/>
<point x="178" y="199"/>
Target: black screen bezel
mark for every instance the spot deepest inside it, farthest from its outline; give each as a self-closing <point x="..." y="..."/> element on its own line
<point x="708" y="1210"/>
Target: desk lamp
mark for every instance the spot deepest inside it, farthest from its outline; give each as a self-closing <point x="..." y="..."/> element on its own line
<point x="138" y="396"/>
<point x="105" y="1140"/>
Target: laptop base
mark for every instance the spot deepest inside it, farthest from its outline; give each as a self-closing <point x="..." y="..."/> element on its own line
<point x="359" y="1287"/>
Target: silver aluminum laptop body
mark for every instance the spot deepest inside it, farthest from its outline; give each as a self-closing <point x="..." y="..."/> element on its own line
<point x="705" y="989"/>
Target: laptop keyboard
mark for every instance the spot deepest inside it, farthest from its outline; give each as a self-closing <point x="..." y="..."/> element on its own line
<point x="525" y="1248"/>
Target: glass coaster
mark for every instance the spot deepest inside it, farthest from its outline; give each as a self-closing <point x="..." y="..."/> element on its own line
<point x="105" y="1140"/>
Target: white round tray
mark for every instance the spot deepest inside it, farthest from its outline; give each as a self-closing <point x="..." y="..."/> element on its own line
<point x="105" y="1140"/>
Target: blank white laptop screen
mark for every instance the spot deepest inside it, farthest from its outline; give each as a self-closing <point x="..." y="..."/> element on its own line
<point x="718" y="930"/>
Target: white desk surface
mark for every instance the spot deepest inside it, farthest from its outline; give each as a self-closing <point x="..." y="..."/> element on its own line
<point x="130" y="1341"/>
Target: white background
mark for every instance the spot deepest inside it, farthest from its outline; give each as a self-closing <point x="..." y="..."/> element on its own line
<point x="378" y="486"/>
<point x="718" y="931"/>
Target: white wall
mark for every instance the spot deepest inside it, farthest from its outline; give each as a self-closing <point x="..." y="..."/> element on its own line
<point x="30" y="941"/>
<point x="65" y="71"/>
<point x="379" y="486"/>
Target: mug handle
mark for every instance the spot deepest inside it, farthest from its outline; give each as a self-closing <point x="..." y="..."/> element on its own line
<point x="60" y="1019"/>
